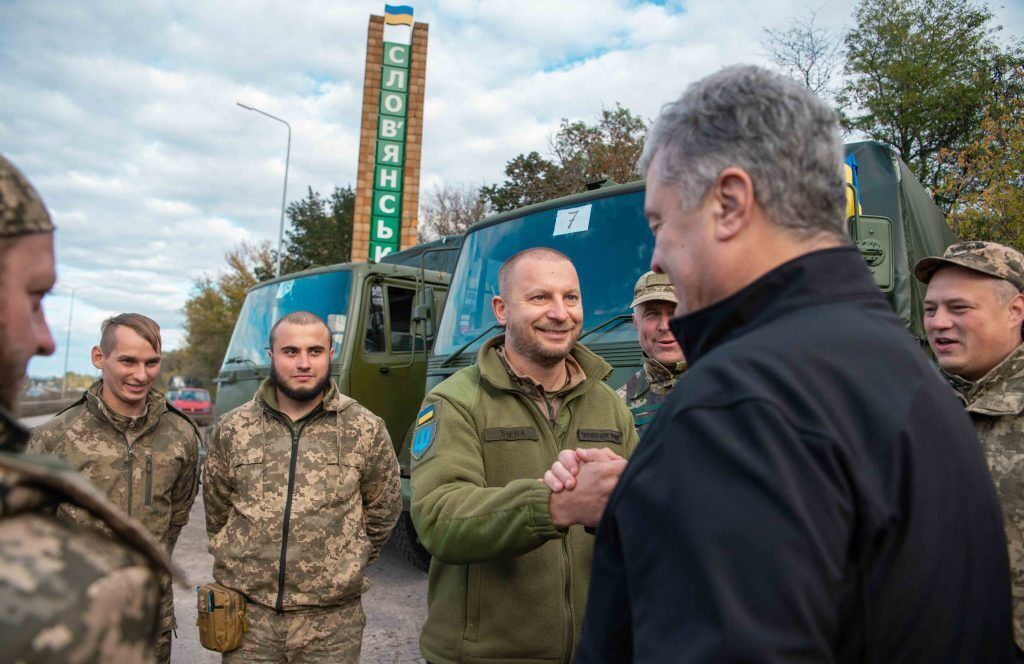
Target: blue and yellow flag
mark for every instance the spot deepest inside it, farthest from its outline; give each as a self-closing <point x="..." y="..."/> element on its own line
<point x="397" y="15"/>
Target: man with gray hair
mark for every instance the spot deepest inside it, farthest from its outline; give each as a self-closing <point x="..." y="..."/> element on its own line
<point x="816" y="491"/>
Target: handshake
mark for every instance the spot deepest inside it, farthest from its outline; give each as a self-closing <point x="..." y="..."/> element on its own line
<point x="581" y="481"/>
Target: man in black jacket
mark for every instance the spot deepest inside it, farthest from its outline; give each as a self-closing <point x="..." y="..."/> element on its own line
<point x="817" y="492"/>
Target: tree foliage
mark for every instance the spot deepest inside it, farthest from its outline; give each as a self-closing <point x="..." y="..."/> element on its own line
<point x="450" y="210"/>
<point x="320" y="230"/>
<point x="582" y="153"/>
<point x="987" y="177"/>
<point x="212" y="309"/>
<point x="919" y="74"/>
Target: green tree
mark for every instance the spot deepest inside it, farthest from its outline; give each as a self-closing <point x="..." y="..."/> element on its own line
<point x="987" y="176"/>
<point x="582" y="153"/>
<point x="321" y="230"/>
<point x="213" y="307"/>
<point x="919" y="76"/>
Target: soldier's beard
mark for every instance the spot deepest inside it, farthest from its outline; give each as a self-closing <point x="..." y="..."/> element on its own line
<point x="298" y="393"/>
<point x="11" y="375"/>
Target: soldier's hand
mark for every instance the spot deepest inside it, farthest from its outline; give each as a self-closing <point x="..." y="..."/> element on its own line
<point x="585" y="503"/>
<point x="562" y="474"/>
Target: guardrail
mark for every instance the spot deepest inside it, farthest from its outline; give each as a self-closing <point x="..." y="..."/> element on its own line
<point x="46" y="406"/>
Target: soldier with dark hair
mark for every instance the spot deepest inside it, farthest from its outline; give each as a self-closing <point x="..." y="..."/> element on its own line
<point x="127" y="439"/>
<point x="67" y="593"/>
<point x="302" y="489"/>
<point x="972" y="315"/>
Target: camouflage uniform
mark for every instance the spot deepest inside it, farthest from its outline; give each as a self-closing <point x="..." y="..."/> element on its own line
<point x="67" y="594"/>
<point x="148" y="466"/>
<point x="648" y="388"/>
<point x="995" y="403"/>
<point x="295" y="512"/>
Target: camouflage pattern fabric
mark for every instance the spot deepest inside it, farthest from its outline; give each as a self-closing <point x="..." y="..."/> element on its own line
<point x="988" y="258"/>
<point x="68" y="593"/>
<point x="148" y="466"/>
<point x="332" y="635"/>
<point x="340" y="505"/>
<point x="648" y="388"/>
<point x="21" y="210"/>
<point x="995" y="404"/>
<point x="653" y="286"/>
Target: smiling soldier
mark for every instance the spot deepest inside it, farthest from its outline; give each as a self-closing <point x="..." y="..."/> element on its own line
<point x="654" y="305"/>
<point x="972" y="314"/>
<point x="126" y="438"/>
<point x="302" y="490"/>
<point x="508" y="581"/>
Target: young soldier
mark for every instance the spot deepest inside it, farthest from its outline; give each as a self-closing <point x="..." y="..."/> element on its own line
<point x="126" y="438"/>
<point x="972" y="315"/>
<point x="67" y="593"/>
<point x="302" y="489"/>
<point x="654" y="304"/>
<point x="512" y="559"/>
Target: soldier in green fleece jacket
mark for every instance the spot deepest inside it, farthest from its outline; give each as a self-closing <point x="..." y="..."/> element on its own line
<point x="511" y="560"/>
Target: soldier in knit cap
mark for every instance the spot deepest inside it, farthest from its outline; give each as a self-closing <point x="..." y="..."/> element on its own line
<point x="972" y="314"/>
<point x="67" y="593"/>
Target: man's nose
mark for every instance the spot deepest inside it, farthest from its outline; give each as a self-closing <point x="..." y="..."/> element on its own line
<point x="940" y="320"/>
<point x="44" y="339"/>
<point x="557" y="310"/>
<point x="663" y="322"/>
<point x="303" y="360"/>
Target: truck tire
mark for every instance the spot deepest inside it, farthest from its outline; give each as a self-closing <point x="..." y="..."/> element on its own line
<point x="408" y="542"/>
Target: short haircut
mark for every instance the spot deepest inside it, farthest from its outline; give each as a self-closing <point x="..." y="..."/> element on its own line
<point x="1004" y="290"/>
<point x="299" y="318"/>
<point x="507" y="268"/>
<point x="144" y="326"/>
<point x="775" y="129"/>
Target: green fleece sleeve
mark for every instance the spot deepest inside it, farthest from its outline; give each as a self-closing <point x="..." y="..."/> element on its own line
<point x="459" y="519"/>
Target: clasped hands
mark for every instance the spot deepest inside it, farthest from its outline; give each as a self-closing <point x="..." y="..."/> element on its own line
<point x="581" y="481"/>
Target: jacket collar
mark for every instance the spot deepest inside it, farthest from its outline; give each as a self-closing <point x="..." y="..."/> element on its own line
<point x="156" y="405"/>
<point x="999" y="392"/>
<point x="13" y="436"/>
<point x="655" y="373"/>
<point x="492" y="369"/>
<point x="810" y="279"/>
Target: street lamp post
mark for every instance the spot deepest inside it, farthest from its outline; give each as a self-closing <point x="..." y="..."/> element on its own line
<point x="284" y="194"/>
<point x="67" y="345"/>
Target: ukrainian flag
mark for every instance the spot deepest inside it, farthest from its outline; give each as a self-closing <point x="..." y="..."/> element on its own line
<point x="397" y="15"/>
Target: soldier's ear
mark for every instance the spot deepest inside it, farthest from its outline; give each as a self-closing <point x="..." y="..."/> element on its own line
<point x="97" y="357"/>
<point x="499" y="307"/>
<point x="1016" y="309"/>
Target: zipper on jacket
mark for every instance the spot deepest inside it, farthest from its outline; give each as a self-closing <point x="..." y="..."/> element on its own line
<point x="279" y="606"/>
<point x="149" y="478"/>
<point x="567" y="564"/>
<point x="131" y="476"/>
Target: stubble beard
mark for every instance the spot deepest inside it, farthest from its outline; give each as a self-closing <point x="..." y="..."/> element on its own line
<point x="534" y="351"/>
<point x="298" y="393"/>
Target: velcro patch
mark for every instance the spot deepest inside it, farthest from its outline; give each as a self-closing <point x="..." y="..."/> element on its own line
<point x="510" y="433"/>
<point x="600" y="435"/>
<point x="423" y="439"/>
<point x="425" y="415"/>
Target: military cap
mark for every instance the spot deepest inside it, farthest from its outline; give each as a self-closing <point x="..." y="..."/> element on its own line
<point x="653" y="286"/>
<point x="988" y="258"/>
<point x="21" y="210"/>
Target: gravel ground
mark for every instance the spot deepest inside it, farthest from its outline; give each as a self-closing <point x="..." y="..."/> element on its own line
<point x="395" y="607"/>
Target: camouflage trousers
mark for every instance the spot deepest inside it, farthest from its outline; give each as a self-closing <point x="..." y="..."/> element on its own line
<point x="325" y="634"/>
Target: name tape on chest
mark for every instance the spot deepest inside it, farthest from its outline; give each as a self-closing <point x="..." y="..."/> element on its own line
<point x="510" y="433"/>
<point x="600" y="435"/>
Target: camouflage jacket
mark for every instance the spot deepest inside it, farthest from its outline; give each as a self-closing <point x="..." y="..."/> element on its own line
<point x="295" y="511"/>
<point x="995" y="404"/>
<point x="148" y="465"/>
<point x="648" y="388"/>
<point x="68" y="593"/>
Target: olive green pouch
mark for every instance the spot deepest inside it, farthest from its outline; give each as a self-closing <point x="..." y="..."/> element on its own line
<point x="220" y="617"/>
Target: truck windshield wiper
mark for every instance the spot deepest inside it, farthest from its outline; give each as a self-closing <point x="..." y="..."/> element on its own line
<point x="451" y="358"/>
<point x="238" y="359"/>
<point x="614" y="321"/>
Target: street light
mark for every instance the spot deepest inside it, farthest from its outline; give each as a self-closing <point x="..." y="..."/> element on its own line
<point x="67" y="344"/>
<point x="284" y="194"/>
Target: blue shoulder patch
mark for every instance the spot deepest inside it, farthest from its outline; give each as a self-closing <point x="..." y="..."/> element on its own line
<point x="423" y="439"/>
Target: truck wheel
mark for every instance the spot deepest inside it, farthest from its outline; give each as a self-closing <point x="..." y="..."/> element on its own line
<point x="408" y="542"/>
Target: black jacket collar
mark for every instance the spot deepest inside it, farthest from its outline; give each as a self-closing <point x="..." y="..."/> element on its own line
<point x="828" y="274"/>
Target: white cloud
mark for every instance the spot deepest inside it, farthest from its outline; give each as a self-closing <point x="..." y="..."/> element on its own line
<point x="123" y="113"/>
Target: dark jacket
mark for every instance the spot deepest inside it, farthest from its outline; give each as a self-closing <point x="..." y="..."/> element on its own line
<point x="817" y="492"/>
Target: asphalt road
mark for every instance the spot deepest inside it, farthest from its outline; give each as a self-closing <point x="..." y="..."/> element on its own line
<point x="395" y="606"/>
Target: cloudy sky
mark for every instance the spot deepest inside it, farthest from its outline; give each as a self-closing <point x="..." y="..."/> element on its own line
<point x="123" y="114"/>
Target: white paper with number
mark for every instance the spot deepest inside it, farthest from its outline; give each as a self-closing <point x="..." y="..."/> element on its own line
<point x="572" y="220"/>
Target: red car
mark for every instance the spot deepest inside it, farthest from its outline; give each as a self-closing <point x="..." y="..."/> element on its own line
<point x="194" y="402"/>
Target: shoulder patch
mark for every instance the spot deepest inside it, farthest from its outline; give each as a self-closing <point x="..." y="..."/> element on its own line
<point x="423" y="436"/>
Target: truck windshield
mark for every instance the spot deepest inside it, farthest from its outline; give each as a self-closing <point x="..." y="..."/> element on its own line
<point x="607" y="240"/>
<point x="325" y="295"/>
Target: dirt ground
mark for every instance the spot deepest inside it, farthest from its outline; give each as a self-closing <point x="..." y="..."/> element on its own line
<point x="395" y="607"/>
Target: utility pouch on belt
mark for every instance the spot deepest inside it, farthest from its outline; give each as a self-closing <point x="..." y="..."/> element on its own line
<point x="221" y="617"/>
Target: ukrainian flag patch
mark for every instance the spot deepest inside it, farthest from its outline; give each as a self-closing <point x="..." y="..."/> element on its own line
<point x="426" y="427"/>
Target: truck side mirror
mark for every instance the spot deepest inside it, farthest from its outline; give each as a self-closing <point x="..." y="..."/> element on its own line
<point x="423" y="313"/>
<point x="873" y="238"/>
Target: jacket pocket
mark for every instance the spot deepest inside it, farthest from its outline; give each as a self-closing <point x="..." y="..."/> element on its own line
<point x="472" y="602"/>
<point x="248" y="469"/>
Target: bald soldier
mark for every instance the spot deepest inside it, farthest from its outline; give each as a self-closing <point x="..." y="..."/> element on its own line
<point x="654" y="305"/>
<point x="67" y="593"/>
<point x="973" y="312"/>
